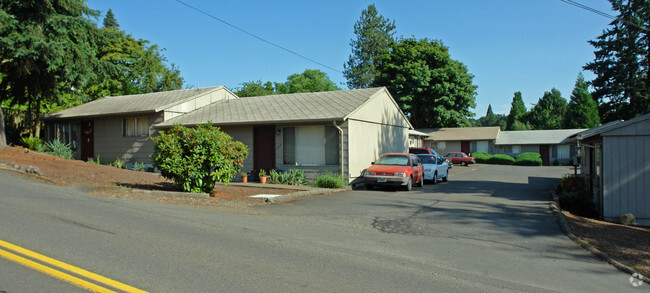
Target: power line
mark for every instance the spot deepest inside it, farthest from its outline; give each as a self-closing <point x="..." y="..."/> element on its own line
<point x="585" y="7"/>
<point x="255" y="36"/>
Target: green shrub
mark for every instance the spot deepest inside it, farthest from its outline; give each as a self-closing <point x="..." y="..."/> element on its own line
<point x="32" y="143"/>
<point x="59" y="149"/>
<point x="289" y="177"/>
<point x="195" y="157"/>
<point x="574" y="196"/>
<point x="94" y="161"/>
<point x="481" y="157"/>
<point x="528" y="159"/>
<point x="501" y="159"/>
<point x="556" y="162"/>
<point x="139" y="166"/>
<point x="329" y="180"/>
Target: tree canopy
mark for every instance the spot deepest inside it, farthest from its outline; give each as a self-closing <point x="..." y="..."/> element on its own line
<point x="374" y="33"/>
<point x="622" y="83"/>
<point x="110" y="21"/>
<point x="517" y="115"/>
<point x="582" y="111"/>
<point x="549" y="111"/>
<point x="431" y="88"/>
<point x="491" y="119"/>
<point x="311" y="80"/>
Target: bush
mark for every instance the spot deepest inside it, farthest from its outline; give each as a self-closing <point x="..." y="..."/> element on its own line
<point x="290" y="177"/>
<point x="119" y="163"/>
<point x="528" y="159"/>
<point x="195" y="157"/>
<point x="94" y="161"/>
<point x="501" y="159"/>
<point x="575" y="197"/>
<point x="33" y="143"/>
<point x="139" y="166"/>
<point x="59" y="149"/>
<point x="481" y="157"/>
<point x="330" y="180"/>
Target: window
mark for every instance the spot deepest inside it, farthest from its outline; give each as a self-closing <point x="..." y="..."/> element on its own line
<point x="135" y="126"/>
<point x="516" y="149"/>
<point x="311" y="145"/>
<point x="482" y="146"/>
<point x="563" y="151"/>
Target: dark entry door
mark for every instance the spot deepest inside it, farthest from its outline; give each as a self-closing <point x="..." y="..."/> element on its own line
<point x="464" y="147"/>
<point x="543" y="152"/>
<point x="264" y="147"/>
<point x="87" y="144"/>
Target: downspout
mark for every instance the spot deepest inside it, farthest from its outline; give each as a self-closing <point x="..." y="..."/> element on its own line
<point x="341" y="142"/>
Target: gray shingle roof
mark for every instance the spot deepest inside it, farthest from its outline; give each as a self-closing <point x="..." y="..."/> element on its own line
<point x="462" y="133"/>
<point x="142" y="103"/>
<point x="299" y="107"/>
<point x="523" y="137"/>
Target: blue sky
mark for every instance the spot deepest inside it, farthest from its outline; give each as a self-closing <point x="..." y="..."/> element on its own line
<point x="530" y="46"/>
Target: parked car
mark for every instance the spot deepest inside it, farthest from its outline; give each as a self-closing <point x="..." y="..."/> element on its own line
<point x="395" y="169"/>
<point x="434" y="167"/>
<point x="422" y="151"/>
<point x="460" y="158"/>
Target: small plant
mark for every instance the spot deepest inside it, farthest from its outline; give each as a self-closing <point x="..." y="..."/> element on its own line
<point x="94" y="161"/>
<point x="262" y="173"/>
<point x="119" y="163"/>
<point x="556" y="162"/>
<point x="32" y="143"/>
<point x="329" y="180"/>
<point x="59" y="149"/>
<point x="575" y="197"/>
<point x="139" y="166"/>
<point x="296" y="177"/>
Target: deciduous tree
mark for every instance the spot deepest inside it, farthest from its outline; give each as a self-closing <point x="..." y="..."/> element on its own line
<point x="374" y="33"/>
<point x="432" y="89"/>
<point x="310" y="81"/>
<point x="549" y="111"/>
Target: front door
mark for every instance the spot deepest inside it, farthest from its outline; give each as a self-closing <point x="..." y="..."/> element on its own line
<point x="543" y="152"/>
<point x="87" y="144"/>
<point x="464" y="147"/>
<point x="264" y="147"/>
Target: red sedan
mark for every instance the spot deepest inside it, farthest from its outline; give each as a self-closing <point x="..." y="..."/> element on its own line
<point x="460" y="158"/>
<point x="395" y="169"/>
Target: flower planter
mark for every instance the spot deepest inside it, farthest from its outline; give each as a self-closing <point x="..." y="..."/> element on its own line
<point x="262" y="179"/>
<point x="244" y="179"/>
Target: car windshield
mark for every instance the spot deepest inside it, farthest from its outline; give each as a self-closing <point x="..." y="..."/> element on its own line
<point x="427" y="159"/>
<point x="418" y="151"/>
<point x="397" y="160"/>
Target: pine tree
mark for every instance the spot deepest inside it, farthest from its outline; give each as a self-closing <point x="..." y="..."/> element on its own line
<point x="517" y="112"/>
<point x="374" y="34"/>
<point x="622" y="83"/>
<point x="582" y="111"/>
<point x="110" y="21"/>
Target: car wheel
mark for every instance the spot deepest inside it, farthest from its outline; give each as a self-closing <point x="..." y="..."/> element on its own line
<point x="446" y="178"/>
<point x="435" y="178"/>
<point x="409" y="184"/>
<point x="421" y="183"/>
<point x="369" y="186"/>
<point x="463" y="163"/>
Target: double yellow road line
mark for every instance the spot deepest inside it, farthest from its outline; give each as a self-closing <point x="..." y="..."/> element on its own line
<point x="56" y="269"/>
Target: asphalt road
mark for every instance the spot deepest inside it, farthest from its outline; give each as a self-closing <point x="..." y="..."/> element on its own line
<point x="487" y="230"/>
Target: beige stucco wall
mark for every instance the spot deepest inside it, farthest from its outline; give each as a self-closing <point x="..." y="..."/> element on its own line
<point x="110" y="144"/>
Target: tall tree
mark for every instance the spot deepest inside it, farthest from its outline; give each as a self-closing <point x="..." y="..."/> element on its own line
<point x="491" y="119"/>
<point x="374" y="33"/>
<point x="110" y="21"/>
<point x="621" y="63"/>
<point x="517" y="112"/>
<point x="582" y="111"/>
<point x="432" y="89"/>
<point x="46" y="48"/>
<point x="310" y="81"/>
<point x="549" y="111"/>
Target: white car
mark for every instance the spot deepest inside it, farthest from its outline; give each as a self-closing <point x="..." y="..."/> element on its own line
<point x="435" y="167"/>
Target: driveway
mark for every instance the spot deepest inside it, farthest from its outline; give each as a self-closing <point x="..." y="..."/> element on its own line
<point x="489" y="223"/>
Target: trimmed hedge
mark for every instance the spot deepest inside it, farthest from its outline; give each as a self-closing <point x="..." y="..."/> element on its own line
<point x="481" y="157"/>
<point x="528" y="159"/>
<point x="501" y="159"/>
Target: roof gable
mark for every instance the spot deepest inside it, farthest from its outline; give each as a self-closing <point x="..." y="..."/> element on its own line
<point x="462" y="133"/>
<point x="610" y="126"/>
<point x="141" y="103"/>
<point x="298" y="107"/>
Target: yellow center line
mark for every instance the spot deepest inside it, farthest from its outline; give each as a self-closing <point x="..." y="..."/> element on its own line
<point x="61" y="275"/>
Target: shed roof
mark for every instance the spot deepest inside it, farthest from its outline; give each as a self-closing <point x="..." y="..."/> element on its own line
<point x="524" y="137"/>
<point x="462" y="133"/>
<point x="299" y="107"/>
<point x="141" y="103"/>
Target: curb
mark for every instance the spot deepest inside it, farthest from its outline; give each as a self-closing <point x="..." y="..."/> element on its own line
<point x="561" y="220"/>
<point x="300" y="194"/>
